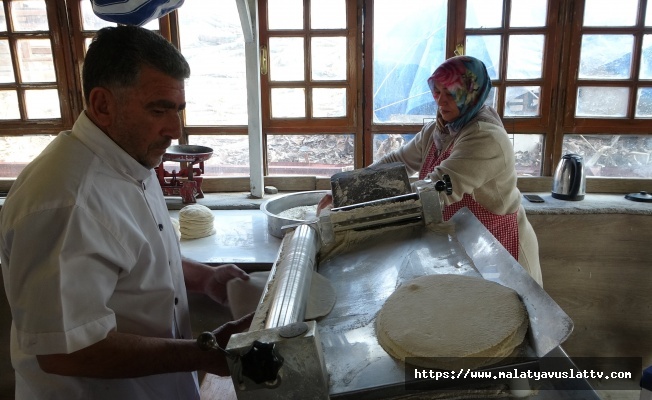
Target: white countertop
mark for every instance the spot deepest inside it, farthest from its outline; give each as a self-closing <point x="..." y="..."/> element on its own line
<point x="241" y="238"/>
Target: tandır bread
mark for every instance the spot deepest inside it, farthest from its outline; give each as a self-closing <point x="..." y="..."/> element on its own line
<point x="452" y="321"/>
<point x="196" y="221"/>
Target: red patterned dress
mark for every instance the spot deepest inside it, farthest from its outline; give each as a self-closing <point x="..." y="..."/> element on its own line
<point x="503" y="227"/>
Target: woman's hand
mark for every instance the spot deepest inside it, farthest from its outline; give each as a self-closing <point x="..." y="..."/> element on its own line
<point x="325" y="202"/>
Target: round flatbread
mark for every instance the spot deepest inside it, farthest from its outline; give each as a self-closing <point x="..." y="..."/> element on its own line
<point x="196" y="221"/>
<point x="452" y="321"/>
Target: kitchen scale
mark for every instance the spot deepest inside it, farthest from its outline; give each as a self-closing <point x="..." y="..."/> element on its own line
<point x="187" y="181"/>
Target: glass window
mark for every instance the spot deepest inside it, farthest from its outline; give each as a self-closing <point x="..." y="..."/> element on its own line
<point x="617" y="156"/>
<point x="528" y="149"/>
<point x="484" y="13"/>
<point x="29" y="15"/>
<point x="525" y="57"/>
<point x="606" y="56"/>
<point x="528" y="13"/>
<point x="285" y="14"/>
<point x="3" y="19"/>
<point x="213" y="44"/>
<point x="35" y="60"/>
<point x="328" y="102"/>
<point x="606" y="13"/>
<point x="602" y="102"/>
<point x="385" y="143"/>
<point x="286" y="59"/>
<point x="6" y="69"/>
<point x="646" y="59"/>
<point x="288" y="103"/>
<point x="328" y="58"/>
<point x="409" y="43"/>
<point x="320" y="155"/>
<point x="9" y="105"/>
<point x="327" y="14"/>
<point x="230" y="154"/>
<point x="522" y="101"/>
<point x="42" y="104"/>
<point x="644" y="103"/>
<point x="487" y="49"/>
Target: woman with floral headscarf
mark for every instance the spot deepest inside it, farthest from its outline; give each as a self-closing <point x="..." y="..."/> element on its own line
<point x="469" y="143"/>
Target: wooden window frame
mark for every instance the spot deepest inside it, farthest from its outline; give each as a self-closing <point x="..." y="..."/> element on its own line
<point x="561" y="59"/>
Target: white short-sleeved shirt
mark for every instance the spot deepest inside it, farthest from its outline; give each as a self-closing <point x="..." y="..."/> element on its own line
<point x="87" y="247"/>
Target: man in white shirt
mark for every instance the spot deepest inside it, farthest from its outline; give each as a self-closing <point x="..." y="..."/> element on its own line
<point x="91" y="264"/>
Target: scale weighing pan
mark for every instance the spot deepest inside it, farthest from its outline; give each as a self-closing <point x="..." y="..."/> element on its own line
<point x="187" y="153"/>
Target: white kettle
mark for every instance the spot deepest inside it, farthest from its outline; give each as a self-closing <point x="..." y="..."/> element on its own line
<point x="569" y="182"/>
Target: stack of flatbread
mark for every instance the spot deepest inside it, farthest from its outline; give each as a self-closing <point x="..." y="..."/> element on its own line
<point x="195" y="221"/>
<point x="452" y="321"/>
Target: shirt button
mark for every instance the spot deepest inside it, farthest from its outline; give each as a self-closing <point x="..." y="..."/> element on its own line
<point x="160" y="227"/>
<point x="176" y="301"/>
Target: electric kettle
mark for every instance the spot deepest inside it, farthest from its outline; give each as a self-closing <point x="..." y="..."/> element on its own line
<point x="569" y="182"/>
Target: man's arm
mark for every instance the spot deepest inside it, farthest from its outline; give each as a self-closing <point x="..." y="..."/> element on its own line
<point x="122" y="355"/>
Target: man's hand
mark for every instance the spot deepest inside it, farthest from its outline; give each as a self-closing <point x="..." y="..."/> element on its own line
<point x="222" y="336"/>
<point x="210" y="280"/>
<point x="215" y="285"/>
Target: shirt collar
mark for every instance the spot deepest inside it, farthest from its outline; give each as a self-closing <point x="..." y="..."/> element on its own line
<point x="106" y="149"/>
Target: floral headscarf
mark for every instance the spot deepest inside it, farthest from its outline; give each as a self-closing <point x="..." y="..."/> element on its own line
<point x="467" y="80"/>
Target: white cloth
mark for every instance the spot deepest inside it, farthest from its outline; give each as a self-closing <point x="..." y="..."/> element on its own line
<point x="87" y="247"/>
<point x="134" y="12"/>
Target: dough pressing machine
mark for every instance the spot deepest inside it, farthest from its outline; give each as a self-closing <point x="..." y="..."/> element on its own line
<point x="367" y="250"/>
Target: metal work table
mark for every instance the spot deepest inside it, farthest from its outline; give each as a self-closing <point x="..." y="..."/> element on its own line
<point x="241" y="237"/>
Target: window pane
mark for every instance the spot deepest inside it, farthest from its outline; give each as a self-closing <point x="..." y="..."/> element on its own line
<point x="212" y="42"/>
<point x="285" y="14"/>
<point x="648" y="15"/>
<point x="606" y="56"/>
<point x="601" y="102"/>
<point x="492" y="101"/>
<point x="487" y="49"/>
<point x="644" y="103"/>
<point x="528" y="150"/>
<point x="230" y="154"/>
<point x="328" y="103"/>
<point x="286" y="59"/>
<point x="409" y="43"/>
<point x="90" y="21"/>
<point x="525" y="57"/>
<point x="328" y="14"/>
<point x="386" y="143"/>
<point x="35" y="60"/>
<point x="9" y="105"/>
<point x="328" y="58"/>
<point x="484" y="13"/>
<point x="603" y="13"/>
<point x="618" y="156"/>
<point x="522" y="101"/>
<point x="19" y="151"/>
<point x="319" y="155"/>
<point x="528" y="13"/>
<point x="42" y="104"/>
<point x="29" y="15"/>
<point x="3" y="19"/>
<point x="6" y="69"/>
<point x="288" y="103"/>
<point x="646" y="59"/>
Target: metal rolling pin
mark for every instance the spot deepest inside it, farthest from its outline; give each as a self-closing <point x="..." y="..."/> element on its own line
<point x="294" y="271"/>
